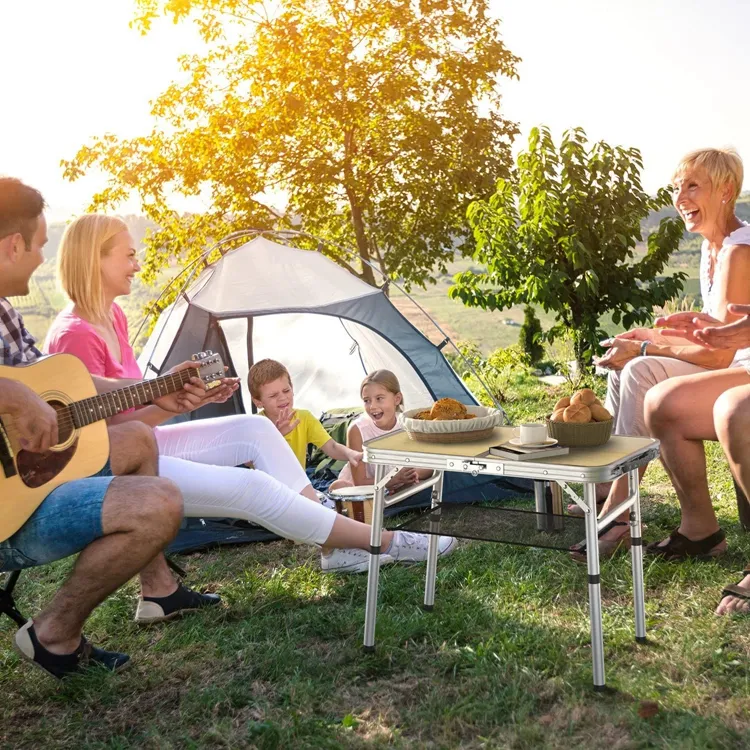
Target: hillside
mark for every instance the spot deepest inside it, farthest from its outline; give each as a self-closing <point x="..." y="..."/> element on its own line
<point x="488" y="329"/>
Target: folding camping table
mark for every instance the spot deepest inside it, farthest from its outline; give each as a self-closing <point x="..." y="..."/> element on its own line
<point x="588" y="466"/>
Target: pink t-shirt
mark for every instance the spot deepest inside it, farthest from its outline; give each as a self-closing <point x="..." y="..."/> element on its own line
<point x="74" y="335"/>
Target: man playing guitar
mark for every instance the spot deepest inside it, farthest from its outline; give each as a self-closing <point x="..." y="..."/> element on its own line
<point x="119" y="520"/>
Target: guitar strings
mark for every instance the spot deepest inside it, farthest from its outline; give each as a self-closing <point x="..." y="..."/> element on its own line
<point x="66" y="416"/>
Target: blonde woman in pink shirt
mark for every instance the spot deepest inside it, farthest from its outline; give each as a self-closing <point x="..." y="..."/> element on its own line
<point x="96" y="264"/>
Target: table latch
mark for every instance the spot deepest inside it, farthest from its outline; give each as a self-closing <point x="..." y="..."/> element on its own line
<point x="473" y="467"/>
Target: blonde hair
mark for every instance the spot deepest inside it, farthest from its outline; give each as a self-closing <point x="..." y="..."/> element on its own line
<point x="85" y="241"/>
<point x="723" y="166"/>
<point x="387" y="380"/>
<point x="264" y="372"/>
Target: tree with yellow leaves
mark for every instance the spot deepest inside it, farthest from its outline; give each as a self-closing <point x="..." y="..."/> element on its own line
<point x="377" y="120"/>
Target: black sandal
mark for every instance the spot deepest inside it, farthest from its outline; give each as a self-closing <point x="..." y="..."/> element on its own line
<point x="578" y="551"/>
<point x="735" y="591"/>
<point x="679" y="547"/>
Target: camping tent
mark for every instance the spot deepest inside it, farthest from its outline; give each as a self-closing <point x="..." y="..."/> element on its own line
<point x="266" y="299"/>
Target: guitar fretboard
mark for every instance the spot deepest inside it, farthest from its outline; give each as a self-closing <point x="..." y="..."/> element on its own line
<point x="90" y="410"/>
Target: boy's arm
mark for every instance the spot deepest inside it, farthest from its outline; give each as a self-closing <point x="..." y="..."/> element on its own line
<point x="341" y="452"/>
<point x="354" y="443"/>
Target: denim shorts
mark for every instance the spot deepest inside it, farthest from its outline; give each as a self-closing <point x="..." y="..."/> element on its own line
<point x="69" y="519"/>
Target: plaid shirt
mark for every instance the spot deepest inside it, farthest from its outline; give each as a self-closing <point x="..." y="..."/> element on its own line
<point x="16" y="343"/>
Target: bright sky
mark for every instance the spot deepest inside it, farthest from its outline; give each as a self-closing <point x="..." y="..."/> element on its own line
<point x="663" y="75"/>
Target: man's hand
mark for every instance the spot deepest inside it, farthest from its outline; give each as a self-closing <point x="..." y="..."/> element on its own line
<point x="620" y="352"/>
<point x="734" y="335"/>
<point x="286" y="422"/>
<point x="34" y="419"/>
<point x="188" y="398"/>
<point x="685" y="324"/>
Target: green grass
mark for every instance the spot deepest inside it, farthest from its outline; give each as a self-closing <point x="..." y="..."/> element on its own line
<point x="502" y="662"/>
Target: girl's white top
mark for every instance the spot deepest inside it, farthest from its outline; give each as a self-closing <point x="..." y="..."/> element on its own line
<point x="368" y="430"/>
<point x="710" y="294"/>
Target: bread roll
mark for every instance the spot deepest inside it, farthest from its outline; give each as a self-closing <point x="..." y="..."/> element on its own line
<point x="585" y="396"/>
<point x="562" y="403"/>
<point x="599" y="413"/>
<point x="577" y="413"/>
<point x="557" y="415"/>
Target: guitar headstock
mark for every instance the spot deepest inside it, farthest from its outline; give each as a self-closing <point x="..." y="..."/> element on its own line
<point x="210" y="368"/>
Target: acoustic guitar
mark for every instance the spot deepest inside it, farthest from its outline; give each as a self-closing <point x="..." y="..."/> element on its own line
<point x="26" y="478"/>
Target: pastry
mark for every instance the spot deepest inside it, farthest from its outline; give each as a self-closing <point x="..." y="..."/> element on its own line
<point x="562" y="403"/>
<point x="579" y="413"/>
<point x="448" y="408"/>
<point x="557" y="415"/>
<point x="599" y="413"/>
<point x="585" y="396"/>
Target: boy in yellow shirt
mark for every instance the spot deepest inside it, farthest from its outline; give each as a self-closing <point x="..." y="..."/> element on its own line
<point x="271" y="390"/>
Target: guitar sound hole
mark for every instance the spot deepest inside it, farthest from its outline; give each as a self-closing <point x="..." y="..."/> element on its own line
<point x="65" y="425"/>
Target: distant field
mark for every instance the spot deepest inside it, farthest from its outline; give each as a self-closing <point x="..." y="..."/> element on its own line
<point x="486" y="329"/>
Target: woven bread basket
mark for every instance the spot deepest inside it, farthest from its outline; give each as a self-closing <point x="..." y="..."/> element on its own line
<point x="452" y="430"/>
<point x="577" y="435"/>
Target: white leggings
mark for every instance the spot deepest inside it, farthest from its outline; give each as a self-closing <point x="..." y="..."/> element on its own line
<point x="627" y="388"/>
<point x="201" y="458"/>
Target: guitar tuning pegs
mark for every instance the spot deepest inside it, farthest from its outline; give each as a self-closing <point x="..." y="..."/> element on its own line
<point x="209" y="352"/>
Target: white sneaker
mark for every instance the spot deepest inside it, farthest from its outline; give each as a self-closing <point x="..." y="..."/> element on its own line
<point x="410" y="547"/>
<point x="349" y="561"/>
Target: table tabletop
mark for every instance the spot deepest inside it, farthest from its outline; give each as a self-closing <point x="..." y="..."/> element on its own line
<point x="589" y="464"/>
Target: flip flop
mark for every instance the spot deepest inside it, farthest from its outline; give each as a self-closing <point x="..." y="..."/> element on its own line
<point x="737" y="592"/>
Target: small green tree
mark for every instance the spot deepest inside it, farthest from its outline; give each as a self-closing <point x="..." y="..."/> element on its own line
<point x="530" y="335"/>
<point x="562" y="234"/>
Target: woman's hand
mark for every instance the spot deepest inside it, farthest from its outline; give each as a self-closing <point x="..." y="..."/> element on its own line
<point x="619" y="353"/>
<point x="189" y="397"/>
<point x="644" y="334"/>
<point x="731" y="336"/>
<point x="685" y="324"/>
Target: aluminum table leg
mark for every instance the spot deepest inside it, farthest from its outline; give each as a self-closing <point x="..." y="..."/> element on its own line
<point x="595" y="593"/>
<point x="432" y="548"/>
<point x="373" y="572"/>
<point x="636" y="557"/>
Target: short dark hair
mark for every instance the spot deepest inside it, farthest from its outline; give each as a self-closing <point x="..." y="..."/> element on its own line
<point x="20" y="207"/>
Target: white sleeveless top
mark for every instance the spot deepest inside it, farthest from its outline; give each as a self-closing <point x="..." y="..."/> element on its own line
<point x="369" y="430"/>
<point x="710" y="294"/>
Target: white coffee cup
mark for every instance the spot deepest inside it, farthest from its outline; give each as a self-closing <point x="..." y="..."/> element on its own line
<point x="531" y="432"/>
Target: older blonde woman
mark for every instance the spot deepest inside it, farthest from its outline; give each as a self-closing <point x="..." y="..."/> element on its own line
<point x="97" y="263"/>
<point x="706" y="185"/>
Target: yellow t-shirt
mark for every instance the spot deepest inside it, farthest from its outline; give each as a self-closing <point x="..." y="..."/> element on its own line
<point x="309" y="430"/>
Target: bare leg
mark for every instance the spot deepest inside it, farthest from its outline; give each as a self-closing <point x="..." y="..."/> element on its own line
<point x="347" y="532"/>
<point x="731" y="420"/>
<point x="679" y="413"/>
<point x="140" y="516"/>
<point x="133" y="452"/>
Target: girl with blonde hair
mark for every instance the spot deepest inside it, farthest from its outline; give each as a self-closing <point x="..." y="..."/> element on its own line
<point x="200" y="456"/>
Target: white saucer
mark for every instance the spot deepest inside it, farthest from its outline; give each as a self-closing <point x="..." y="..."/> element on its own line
<point x="548" y="443"/>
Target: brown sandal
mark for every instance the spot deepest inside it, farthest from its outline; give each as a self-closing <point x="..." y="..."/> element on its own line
<point x="607" y="547"/>
<point x="679" y="547"/>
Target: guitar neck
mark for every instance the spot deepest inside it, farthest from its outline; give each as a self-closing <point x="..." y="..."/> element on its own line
<point x="108" y="404"/>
